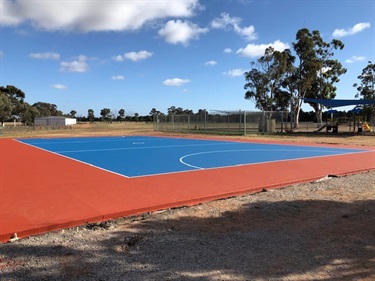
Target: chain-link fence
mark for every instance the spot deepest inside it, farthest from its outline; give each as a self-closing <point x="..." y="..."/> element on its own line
<point x="224" y="122"/>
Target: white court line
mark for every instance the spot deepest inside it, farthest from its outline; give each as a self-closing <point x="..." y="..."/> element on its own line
<point x="241" y="165"/>
<point x="138" y="148"/>
<point x="335" y="153"/>
<point x="73" y="159"/>
<point x="86" y="140"/>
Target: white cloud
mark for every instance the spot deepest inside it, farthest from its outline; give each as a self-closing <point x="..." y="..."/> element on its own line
<point x="79" y="65"/>
<point x="351" y="31"/>
<point x="175" y="82"/>
<point x="211" y="62"/>
<point x="227" y="22"/>
<point x="59" y="87"/>
<point x="224" y="21"/>
<point x="247" y="32"/>
<point x="118" y="77"/>
<point x="253" y="50"/>
<point x="181" y="32"/>
<point x="227" y="50"/>
<point x="83" y="16"/>
<point x="354" y="59"/>
<point x="48" y="55"/>
<point x="9" y="11"/>
<point x="118" y="58"/>
<point x="235" y="72"/>
<point x="134" y="56"/>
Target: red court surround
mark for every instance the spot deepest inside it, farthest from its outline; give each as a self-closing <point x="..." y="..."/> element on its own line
<point x="41" y="191"/>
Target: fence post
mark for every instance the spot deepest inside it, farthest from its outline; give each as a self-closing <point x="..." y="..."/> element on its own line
<point x="263" y="121"/>
<point x="205" y="119"/>
<point x="239" y="113"/>
<point x="244" y="123"/>
<point x="156" y="121"/>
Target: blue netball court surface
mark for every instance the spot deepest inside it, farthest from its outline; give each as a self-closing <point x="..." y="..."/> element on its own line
<point x="137" y="156"/>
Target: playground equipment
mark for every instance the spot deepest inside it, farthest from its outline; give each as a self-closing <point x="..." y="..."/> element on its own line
<point x="366" y="127"/>
<point x="320" y="128"/>
<point x="355" y="123"/>
<point x="359" y="121"/>
<point x="332" y="124"/>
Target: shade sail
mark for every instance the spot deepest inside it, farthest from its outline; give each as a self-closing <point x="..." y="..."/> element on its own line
<point x="338" y="103"/>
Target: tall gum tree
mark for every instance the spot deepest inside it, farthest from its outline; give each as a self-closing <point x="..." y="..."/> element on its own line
<point x="366" y="87"/>
<point x="5" y="108"/>
<point x="329" y="71"/>
<point x="90" y="115"/>
<point x="264" y="80"/>
<point x="11" y="103"/>
<point x="305" y="71"/>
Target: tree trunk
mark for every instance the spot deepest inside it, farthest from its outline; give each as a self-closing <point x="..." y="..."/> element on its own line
<point x="318" y="109"/>
<point x="319" y="115"/>
<point x="296" y="117"/>
<point x="297" y="110"/>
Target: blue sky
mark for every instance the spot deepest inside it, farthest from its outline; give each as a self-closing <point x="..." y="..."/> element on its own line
<point x="139" y="55"/>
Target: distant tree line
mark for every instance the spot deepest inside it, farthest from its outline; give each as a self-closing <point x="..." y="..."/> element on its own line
<point x="13" y="106"/>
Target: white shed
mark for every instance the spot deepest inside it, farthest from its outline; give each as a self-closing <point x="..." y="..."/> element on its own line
<point x="54" y="121"/>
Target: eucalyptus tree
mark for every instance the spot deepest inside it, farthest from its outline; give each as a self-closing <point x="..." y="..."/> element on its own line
<point x="366" y="88"/>
<point x="6" y="108"/>
<point x="264" y="82"/>
<point x="172" y="110"/>
<point x="105" y="113"/>
<point x="12" y="99"/>
<point x="329" y="71"/>
<point x="28" y="113"/>
<point x="121" y="114"/>
<point x="305" y="72"/>
<point x="47" y="109"/>
<point x="188" y="112"/>
<point x="136" y="117"/>
<point x="179" y="111"/>
<point x="90" y="115"/>
<point x="154" y="111"/>
<point x="14" y="94"/>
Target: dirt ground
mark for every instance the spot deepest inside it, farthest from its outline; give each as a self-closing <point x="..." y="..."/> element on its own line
<point x="324" y="230"/>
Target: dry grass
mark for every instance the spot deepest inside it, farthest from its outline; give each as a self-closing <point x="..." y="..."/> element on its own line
<point x="84" y="129"/>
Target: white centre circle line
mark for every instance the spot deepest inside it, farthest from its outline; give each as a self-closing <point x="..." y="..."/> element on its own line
<point x="182" y="159"/>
